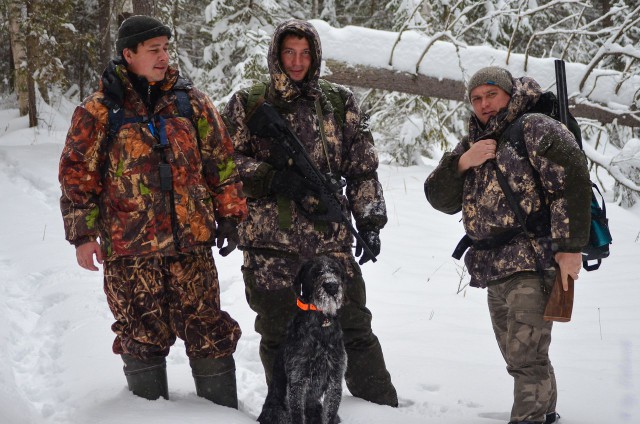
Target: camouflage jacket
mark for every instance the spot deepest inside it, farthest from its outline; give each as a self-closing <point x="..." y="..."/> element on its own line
<point x="111" y="188"/>
<point x="351" y="153"/>
<point x="553" y="157"/>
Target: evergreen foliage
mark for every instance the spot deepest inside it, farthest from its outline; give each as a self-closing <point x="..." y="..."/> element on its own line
<point x="222" y="46"/>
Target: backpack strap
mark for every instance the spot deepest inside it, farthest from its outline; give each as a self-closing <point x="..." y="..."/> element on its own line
<point x="256" y="92"/>
<point x="334" y="95"/>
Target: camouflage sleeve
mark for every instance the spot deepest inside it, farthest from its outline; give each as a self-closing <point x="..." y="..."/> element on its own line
<point x="254" y="173"/>
<point x="79" y="175"/>
<point x="217" y="162"/>
<point x="359" y="168"/>
<point x="443" y="187"/>
<point x="564" y="174"/>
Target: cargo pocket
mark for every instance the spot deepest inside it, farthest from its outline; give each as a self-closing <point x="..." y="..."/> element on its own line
<point x="525" y="337"/>
<point x="200" y="214"/>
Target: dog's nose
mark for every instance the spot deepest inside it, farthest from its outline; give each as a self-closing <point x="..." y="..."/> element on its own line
<point x="330" y="288"/>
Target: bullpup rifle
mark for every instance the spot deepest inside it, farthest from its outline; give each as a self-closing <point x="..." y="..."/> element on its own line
<point x="265" y="121"/>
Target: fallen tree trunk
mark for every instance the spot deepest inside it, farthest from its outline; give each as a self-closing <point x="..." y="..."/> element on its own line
<point x="422" y="85"/>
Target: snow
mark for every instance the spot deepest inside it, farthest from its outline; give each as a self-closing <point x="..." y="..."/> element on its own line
<point x="444" y="60"/>
<point x="56" y="364"/>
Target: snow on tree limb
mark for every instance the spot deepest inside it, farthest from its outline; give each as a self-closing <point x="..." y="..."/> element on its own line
<point x="360" y="56"/>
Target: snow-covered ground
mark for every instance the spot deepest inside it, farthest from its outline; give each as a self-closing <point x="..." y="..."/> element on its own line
<point x="56" y="364"/>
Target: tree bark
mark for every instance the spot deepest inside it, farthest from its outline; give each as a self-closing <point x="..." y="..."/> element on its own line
<point x="17" y="14"/>
<point x="104" y="28"/>
<point x="32" y="54"/>
<point x="384" y="79"/>
<point x="144" y="7"/>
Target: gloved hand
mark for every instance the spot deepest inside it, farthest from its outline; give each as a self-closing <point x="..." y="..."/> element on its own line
<point x="297" y="188"/>
<point x="227" y="229"/>
<point x="372" y="238"/>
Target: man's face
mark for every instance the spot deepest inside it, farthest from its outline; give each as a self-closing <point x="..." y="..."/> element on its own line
<point x="151" y="60"/>
<point x="487" y="100"/>
<point x="295" y="57"/>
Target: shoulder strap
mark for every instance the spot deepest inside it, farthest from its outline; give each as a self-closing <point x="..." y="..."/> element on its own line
<point x="183" y="104"/>
<point x="334" y="95"/>
<point x="256" y="92"/>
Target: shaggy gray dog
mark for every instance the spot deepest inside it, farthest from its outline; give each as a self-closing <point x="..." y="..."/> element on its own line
<point x="306" y="387"/>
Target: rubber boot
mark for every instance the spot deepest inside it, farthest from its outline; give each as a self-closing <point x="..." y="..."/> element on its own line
<point x="215" y="380"/>
<point x="367" y="376"/>
<point x="146" y="378"/>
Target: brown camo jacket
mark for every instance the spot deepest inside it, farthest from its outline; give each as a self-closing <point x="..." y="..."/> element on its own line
<point x="113" y="192"/>
<point x="351" y="154"/>
<point x="562" y="168"/>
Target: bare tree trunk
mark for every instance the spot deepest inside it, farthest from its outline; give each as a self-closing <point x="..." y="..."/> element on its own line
<point x="104" y="28"/>
<point x="32" y="54"/>
<point x="144" y="7"/>
<point x="17" y="15"/>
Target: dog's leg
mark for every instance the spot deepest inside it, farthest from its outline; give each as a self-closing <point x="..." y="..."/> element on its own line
<point x="297" y="400"/>
<point x="332" y="398"/>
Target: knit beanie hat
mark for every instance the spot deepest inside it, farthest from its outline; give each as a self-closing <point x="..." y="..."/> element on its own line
<point x="139" y="28"/>
<point x="492" y="75"/>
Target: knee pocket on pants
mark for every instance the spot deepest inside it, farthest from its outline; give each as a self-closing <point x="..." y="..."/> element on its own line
<point x="526" y="338"/>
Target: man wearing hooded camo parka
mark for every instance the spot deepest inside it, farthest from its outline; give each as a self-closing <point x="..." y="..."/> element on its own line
<point x="149" y="200"/>
<point x="280" y="233"/>
<point x="551" y="181"/>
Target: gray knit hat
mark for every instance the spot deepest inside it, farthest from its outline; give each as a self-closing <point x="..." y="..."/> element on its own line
<point x="492" y="75"/>
<point x="139" y="28"/>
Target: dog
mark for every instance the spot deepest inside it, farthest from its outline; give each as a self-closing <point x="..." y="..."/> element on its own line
<point x="306" y="386"/>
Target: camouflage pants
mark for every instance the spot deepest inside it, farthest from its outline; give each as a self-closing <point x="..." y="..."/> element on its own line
<point x="516" y="307"/>
<point x="268" y="276"/>
<point x="155" y="299"/>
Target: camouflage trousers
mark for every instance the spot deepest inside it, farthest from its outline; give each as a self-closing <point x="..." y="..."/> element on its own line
<point x="516" y="306"/>
<point x="268" y="277"/>
<point x="154" y="299"/>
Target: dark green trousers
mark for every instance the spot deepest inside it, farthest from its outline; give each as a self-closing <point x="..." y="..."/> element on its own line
<point x="366" y="376"/>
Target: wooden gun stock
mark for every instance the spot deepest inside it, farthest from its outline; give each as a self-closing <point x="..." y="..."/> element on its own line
<point x="560" y="303"/>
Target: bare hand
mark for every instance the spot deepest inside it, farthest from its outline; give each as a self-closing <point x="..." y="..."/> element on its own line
<point x="570" y="265"/>
<point x="479" y="152"/>
<point x="84" y="255"/>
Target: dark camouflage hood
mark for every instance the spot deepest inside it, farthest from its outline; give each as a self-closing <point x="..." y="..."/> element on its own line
<point x="285" y="88"/>
<point x="525" y="94"/>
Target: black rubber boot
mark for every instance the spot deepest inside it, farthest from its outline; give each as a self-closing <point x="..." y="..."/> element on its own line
<point x="146" y="378"/>
<point x="216" y="380"/>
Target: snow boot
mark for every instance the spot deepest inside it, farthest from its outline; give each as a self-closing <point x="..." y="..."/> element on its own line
<point x="552" y="418"/>
<point x="215" y="380"/>
<point x="146" y="378"/>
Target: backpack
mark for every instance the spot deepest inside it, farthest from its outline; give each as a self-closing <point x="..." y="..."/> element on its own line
<point x="599" y="235"/>
<point x="330" y="90"/>
<point x="116" y="114"/>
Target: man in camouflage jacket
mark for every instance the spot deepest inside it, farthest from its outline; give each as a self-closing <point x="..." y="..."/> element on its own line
<point x="466" y="180"/>
<point x="154" y="228"/>
<point x="280" y="232"/>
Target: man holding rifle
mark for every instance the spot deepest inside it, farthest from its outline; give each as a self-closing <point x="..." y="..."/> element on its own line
<point x="547" y="174"/>
<point x="293" y="217"/>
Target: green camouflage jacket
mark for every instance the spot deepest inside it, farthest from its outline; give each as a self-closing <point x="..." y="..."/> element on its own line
<point x="272" y="225"/>
<point x="552" y="154"/>
<point x="111" y="188"/>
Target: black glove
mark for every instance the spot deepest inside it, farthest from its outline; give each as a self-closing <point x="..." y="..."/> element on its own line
<point x="228" y="230"/>
<point x="297" y="188"/>
<point x="372" y="238"/>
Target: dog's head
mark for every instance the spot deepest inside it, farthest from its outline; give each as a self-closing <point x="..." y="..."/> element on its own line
<point x="321" y="282"/>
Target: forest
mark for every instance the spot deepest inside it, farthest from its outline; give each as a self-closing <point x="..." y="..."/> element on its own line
<point x="58" y="48"/>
